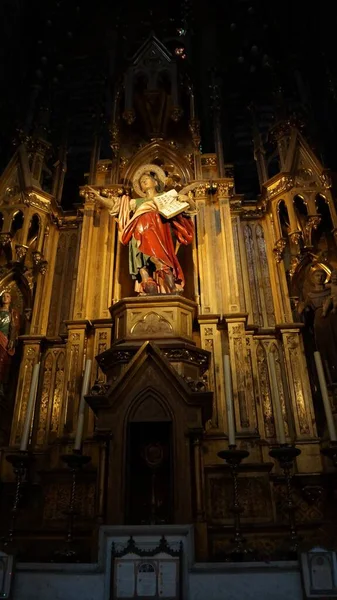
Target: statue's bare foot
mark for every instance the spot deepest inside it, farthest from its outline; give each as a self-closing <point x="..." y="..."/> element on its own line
<point x="148" y="284"/>
<point x="150" y="287"/>
<point x="169" y="281"/>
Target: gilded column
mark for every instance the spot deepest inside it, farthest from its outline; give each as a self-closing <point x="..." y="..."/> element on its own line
<point x="43" y="293"/>
<point x="107" y="267"/>
<point x="232" y="300"/>
<point x="49" y="407"/>
<point x="300" y="397"/>
<point x="31" y="356"/>
<point x="242" y="375"/>
<point x="203" y="246"/>
<point x="101" y="343"/>
<point x="85" y="257"/>
<point x="211" y="340"/>
<point x="278" y="278"/>
<point x="78" y="350"/>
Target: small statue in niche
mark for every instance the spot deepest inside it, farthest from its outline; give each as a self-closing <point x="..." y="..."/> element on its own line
<point x="9" y="331"/>
<point x="154" y="225"/>
<point x="318" y="312"/>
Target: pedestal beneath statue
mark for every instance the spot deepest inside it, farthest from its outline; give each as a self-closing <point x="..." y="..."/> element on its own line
<point x="165" y="320"/>
<point x="153" y="317"/>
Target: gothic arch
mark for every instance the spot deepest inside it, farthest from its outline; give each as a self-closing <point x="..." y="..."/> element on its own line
<point x="149" y="405"/>
<point x="159" y="150"/>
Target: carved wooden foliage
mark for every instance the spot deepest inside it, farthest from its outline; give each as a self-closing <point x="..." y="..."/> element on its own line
<point x="280" y="384"/>
<point x="265" y="276"/>
<point x="259" y="276"/>
<point x="252" y="275"/>
<point x="265" y="393"/>
<point x="49" y="405"/>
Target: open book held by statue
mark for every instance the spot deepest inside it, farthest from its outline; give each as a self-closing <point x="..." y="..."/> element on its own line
<point x="154" y="225"/>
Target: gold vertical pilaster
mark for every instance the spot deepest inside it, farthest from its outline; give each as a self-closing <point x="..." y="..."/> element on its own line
<point x="202" y="246"/>
<point x="31" y="356"/>
<point x="242" y="376"/>
<point x="78" y="350"/>
<point x="278" y="278"/>
<point x="101" y="343"/>
<point x="299" y="386"/>
<point x="232" y="302"/>
<point x="211" y="340"/>
<point x="84" y="260"/>
<point x="43" y="293"/>
<point x="108" y="264"/>
<point x="47" y="420"/>
<point x="300" y="400"/>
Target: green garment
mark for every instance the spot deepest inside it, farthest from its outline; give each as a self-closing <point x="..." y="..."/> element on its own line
<point x="137" y="260"/>
<point x="5" y="321"/>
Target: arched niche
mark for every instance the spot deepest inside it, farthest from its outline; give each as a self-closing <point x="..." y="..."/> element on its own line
<point x="283" y="217"/>
<point x="17" y="222"/>
<point x="149" y="390"/>
<point x="301" y="210"/>
<point x="175" y="165"/>
<point x="33" y="230"/>
<point x="149" y="473"/>
<point x="322" y="236"/>
<point x="160" y="153"/>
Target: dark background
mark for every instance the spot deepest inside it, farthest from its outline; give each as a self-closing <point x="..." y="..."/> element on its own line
<point x="278" y="57"/>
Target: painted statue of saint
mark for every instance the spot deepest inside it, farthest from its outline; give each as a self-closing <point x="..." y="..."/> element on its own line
<point x="319" y="313"/>
<point x="9" y="331"/>
<point x="154" y="225"/>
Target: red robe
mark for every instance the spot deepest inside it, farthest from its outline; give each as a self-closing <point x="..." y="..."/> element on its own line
<point x="154" y="238"/>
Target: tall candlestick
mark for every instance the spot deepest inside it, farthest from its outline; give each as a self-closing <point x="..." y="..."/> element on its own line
<point x="229" y="402"/>
<point x="81" y="410"/>
<point x="325" y="397"/>
<point x="30" y="408"/>
<point x="278" y="416"/>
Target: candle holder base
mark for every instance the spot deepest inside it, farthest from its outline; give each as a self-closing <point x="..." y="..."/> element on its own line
<point x="239" y="551"/>
<point x="75" y="462"/>
<point x="331" y="452"/>
<point x="233" y="456"/>
<point x="285" y="455"/>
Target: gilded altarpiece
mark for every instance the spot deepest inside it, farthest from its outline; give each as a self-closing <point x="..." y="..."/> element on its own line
<point x="80" y="303"/>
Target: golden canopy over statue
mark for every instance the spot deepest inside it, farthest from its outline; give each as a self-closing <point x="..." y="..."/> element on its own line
<point x="154" y="225"/>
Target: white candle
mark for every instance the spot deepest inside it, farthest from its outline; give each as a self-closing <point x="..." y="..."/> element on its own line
<point x="325" y="397"/>
<point x="81" y="410"/>
<point x="278" y="416"/>
<point x="30" y="408"/>
<point x="229" y="402"/>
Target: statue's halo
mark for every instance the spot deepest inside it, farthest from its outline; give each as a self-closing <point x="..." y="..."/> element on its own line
<point x="147" y="169"/>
